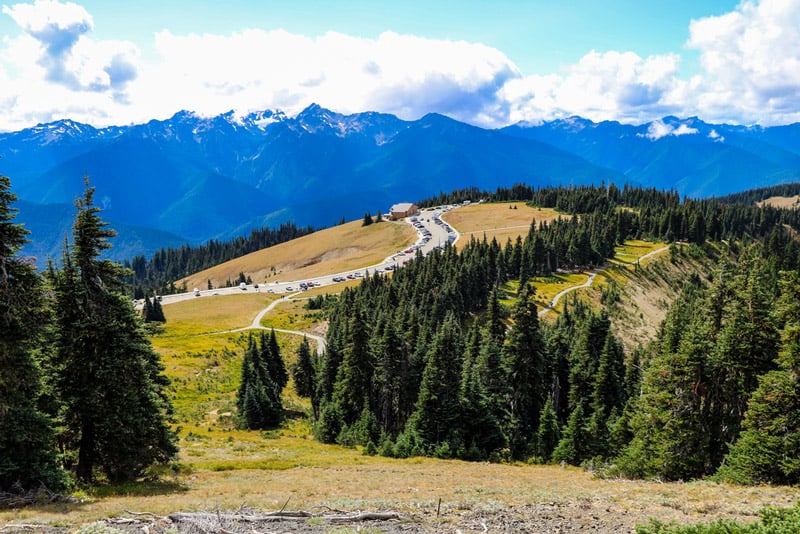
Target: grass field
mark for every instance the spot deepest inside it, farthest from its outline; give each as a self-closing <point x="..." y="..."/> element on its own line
<point x="337" y="249"/>
<point x="502" y="221"/>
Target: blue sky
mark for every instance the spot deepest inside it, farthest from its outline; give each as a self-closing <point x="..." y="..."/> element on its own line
<point x="487" y="63"/>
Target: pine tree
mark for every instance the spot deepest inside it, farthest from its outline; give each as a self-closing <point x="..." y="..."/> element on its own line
<point x="525" y="362"/>
<point x="768" y="450"/>
<point x="27" y="445"/>
<point x="436" y="417"/>
<point x="303" y="370"/>
<point x="119" y="426"/>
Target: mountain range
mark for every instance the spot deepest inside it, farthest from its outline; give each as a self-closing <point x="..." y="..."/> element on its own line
<point x="192" y="178"/>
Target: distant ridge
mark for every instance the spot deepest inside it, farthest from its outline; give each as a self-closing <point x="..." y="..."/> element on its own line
<point x="192" y="178"/>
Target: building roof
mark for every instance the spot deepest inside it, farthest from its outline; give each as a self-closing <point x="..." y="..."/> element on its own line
<point x="402" y="206"/>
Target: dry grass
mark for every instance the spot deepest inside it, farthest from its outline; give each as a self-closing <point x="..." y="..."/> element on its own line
<point x="343" y="247"/>
<point x="501" y="221"/>
<point x="315" y="475"/>
<point x="209" y="314"/>
<point x="780" y="202"/>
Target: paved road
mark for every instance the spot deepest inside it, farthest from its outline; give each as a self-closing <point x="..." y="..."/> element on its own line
<point x="432" y="232"/>
<point x="552" y="304"/>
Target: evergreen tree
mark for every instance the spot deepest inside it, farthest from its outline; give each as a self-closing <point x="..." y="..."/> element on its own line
<point x="158" y="311"/>
<point x="270" y="355"/>
<point x="524" y="361"/>
<point x="390" y="373"/>
<point x="110" y="381"/>
<point x="768" y="450"/>
<point x="367" y="220"/>
<point x="482" y="431"/>
<point x="575" y="439"/>
<point x="258" y="398"/>
<point x="303" y="370"/>
<point x="27" y="445"/>
<point x="354" y="377"/>
<point x="436" y="418"/>
<point x="549" y="434"/>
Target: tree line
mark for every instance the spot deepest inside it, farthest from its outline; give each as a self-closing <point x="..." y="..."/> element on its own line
<point x="158" y="273"/>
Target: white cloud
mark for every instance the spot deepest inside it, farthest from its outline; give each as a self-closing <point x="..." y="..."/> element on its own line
<point x="56" y="41"/>
<point x="401" y="74"/>
<point x="601" y="86"/>
<point x="54" y="68"/>
<point x="658" y="129"/>
<point x="751" y="63"/>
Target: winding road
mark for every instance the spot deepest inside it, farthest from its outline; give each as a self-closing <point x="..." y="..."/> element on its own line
<point x="432" y="232"/>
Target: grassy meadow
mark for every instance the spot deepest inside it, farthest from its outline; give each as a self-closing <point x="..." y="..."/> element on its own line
<point x="501" y="221"/>
<point x="340" y="248"/>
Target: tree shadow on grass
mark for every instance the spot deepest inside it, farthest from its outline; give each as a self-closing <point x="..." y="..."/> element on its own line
<point x="138" y="488"/>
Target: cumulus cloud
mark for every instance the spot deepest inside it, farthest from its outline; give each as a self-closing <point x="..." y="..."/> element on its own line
<point x="601" y="86"/>
<point x="401" y="74"/>
<point x="66" y="54"/>
<point x="750" y="72"/>
<point x="751" y="62"/>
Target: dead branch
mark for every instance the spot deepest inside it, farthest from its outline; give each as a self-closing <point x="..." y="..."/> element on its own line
<point x="364" y="516"/>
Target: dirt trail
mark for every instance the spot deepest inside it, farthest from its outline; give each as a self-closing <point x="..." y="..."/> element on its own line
<point x="552" y="304"/>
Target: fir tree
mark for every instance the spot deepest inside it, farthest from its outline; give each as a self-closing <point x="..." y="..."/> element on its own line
<point x="258" y="398"/>
<point x="768" y="450"/>
<point x="110" y="381"/>
<point x="549" y="433"/>
<point x="27" y="446"/>
<point x="303" y="370"/>
<point x="436" y="417"/>
<point x="354" y="377"/>
<point x="270" y="355"/>
<point x="525" y="363"/>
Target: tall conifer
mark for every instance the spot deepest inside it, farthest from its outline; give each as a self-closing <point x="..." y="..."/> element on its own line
<point x="111" y="383"/>
<point x="27" y="446"/>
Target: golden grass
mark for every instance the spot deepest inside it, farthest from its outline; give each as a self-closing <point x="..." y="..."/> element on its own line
<point x="337" y="249"/>
<point x="630" y="252"/>
<point x="780" y="202"/>
<point x="315" y="475"/>
<point x="217" y="313"/>
<point x="497" y="220"/>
